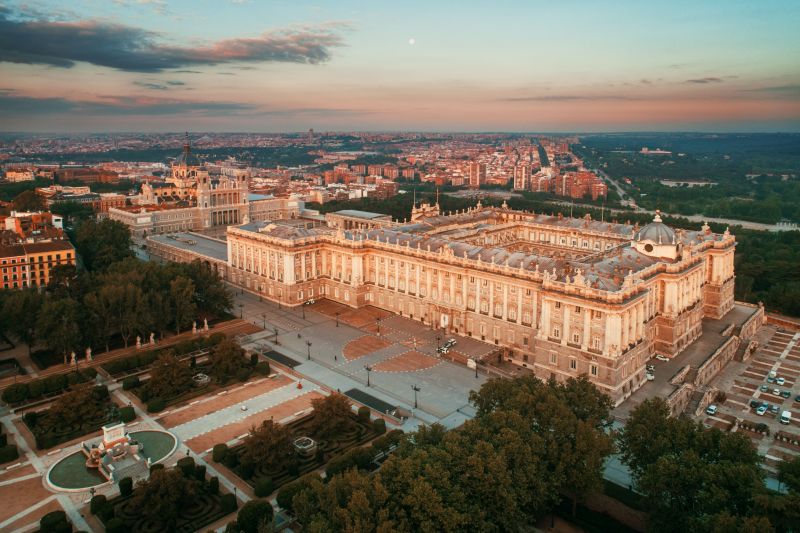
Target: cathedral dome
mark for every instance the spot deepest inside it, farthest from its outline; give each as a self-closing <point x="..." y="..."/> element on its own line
<point x="656" y="232"/>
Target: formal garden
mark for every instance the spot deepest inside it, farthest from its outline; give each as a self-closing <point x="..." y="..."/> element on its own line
<point x="275" y="454"/>
<point x="83" y="409"/>
<point x="174" y="379"/>
<point x="47" y="388"/>
<point x="8" y="452"/>
<point x="179" y="499"/>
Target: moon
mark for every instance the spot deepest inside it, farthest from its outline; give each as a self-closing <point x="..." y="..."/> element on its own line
<point x="412" y="41"/>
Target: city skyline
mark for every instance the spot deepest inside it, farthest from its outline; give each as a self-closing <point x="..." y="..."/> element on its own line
<point x="151" y="65"/>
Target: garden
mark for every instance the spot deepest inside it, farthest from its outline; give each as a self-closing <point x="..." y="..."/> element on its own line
<point x="77" y="412"/>
<point x="140" y="362"/>
<point x="20" y="394"/>
<point x="174" y="380"/>
<point x="180" y="499"/>
<point x="275" y="454"/>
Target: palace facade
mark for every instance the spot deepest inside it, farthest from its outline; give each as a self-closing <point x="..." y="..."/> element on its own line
<point x="563" y="296"/>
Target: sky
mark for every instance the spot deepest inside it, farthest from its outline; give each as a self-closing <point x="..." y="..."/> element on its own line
<point x="446" y="65"/>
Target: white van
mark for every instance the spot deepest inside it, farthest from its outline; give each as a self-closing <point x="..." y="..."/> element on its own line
<point x="786" y="417"/>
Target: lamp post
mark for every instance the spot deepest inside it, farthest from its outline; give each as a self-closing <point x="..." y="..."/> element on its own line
<point x="337" y="319"/>
<point x="368" y="369"/>
<point x="303" y="307"/>
<point x="264" y="317"/>
<point x="378" y="323"/>
<point x="416" y="389"/>
<point x="241" y="310"/>
<point x="476" y="368"/>
<point x="308" y="343"/>
<point x="276" y="335"/>
<point x="438" y="338"/>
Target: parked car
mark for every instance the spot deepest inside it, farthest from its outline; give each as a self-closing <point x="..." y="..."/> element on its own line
<point x="786" y="417"/>
<point x="773" y="374"/>
<point x="650" y="368"/>
<point x="711" y="409"/>
<point x="770" y="380"/>
<point x="662" y="357"/>
<point x="754" y="404"/>
<point x="797" y="398"/>
<point x="780" y="381"/>
<point x="450" y="343"/>
<point x="774" y="409"/>
<point x="764" y="388"/>
<point x="761" y="410"/>
<point x="650" y="376"/>
<point x="785" y="394"/>
<point x="776" y="392"/>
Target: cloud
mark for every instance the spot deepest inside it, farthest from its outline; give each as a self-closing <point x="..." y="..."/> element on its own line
<point x="62" y="44"/>
<point x="159" y="86"/>
<point x="704" y="80"/>
<point x="781" y="90"/>
<point x="14" y="104"/>
<point x="566" y="98"/>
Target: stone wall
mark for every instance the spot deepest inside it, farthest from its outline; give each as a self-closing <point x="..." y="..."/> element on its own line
<point x="751" y="325"/>
<point x="716" y="361"/>
<point x="678" y="378"/>
<point x="679" y="399"/>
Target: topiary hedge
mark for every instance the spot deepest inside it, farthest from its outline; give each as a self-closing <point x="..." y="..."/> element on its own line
<point x="155" y="405"/>
<point x="228" y="503"/>
<point x="287" y="492"/>
<point x="264" y="487"/>
<point x="219" y="452"/>
<point x="127" y="414"/>
<point x="55" y="522"/>
<point x="9" y="452"/>
<point x="126" y="486"/>
<point x="98" y="503"/>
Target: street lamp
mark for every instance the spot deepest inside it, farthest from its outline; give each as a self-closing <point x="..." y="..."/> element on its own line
<point x="303" y="307"/>
<point x="337" y="319"/>
<point x="378" y="323"/>
<point x="308" y="343"/>
<point x="276" y="335"/>
<point x="416" y="389"/>
<point x="368" y="369"/>
<point x="438" y="338"/>
<point x="241" y="310"/>
<point x="476" y="368"/>
<point x="264" y="316"/>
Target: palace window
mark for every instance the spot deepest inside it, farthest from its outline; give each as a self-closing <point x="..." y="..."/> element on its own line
<point x="596" y="343"/>
<point x="558" y="305"/>
<point x="573" y="364"/>
<point x="556" y="332"/>
<point x="576" y="338"/>
<point x="553" y="358"/>
<point x="577" y="309"/>
<point x="593" y="369"/>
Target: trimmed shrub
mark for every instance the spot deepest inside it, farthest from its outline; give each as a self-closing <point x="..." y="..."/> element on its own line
<point x="193" y="361"/>
<point x="97" y="503"/>
<point x="55" y="522"/>
<point x="200" y="472"/>
<point x="130" y="382"/>
<point x="30" y="418"/>
<point x="243" y="374"/>
<point x="186" y="465"/>
<point x="157" y="466"/>
<point x="100" y="392"/>
<point x="125" y="486"/>
<point x="213" y="485"/>
<point x="262" y="368"/>
<point x="363" y="413"/>
<point x="253" y="360"/>
<point x="18" y="392"/>
<point x="264" y="487"/>
<point x="73" y="378"/>
<point x="116" y="525"/>
<point x="356" y="458"/>
<point x="231" y="460"/>
<point x="90" y="372"/>
<point x="155" y="405"/>
<point x="35" y="389"/>
<point x="228" y="503"/>
<point x="214" y="339"/>
<point x="9" y="452"/>
<point x="246" y="470"/>
<point x="287" y="492"/>
<point x="383" y="443"/>
<point x="127" y="414"/>
<point x="219" y="452"/>
<point x="3" y="439"/>
<point x="379" y="426"/>
<point x="252" y="515"/>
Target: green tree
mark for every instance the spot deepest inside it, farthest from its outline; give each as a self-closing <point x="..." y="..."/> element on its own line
<point x="163" y="494"/>
<point x="103" y="243"/>
<point x="76" y="406"/>
<point x="211" y="295"/>
<point x="227" y="358"/>
<point x="27" y="201"/>
<point x="331" y="414"/>
<point x="59" y="326"/>
<point x="254" y="516"/>
<point x="24" y="307"/>
<point x="181" y="291"/>
<point x="789" y="474"/>
<point x="168" y="377"/>
<point x="269" y="444"/>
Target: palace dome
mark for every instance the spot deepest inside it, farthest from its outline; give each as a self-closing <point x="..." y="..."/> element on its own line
<point x="656" y="232"/>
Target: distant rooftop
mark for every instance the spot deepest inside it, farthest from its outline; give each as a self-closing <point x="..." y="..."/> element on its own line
<point x="355" y="213"/>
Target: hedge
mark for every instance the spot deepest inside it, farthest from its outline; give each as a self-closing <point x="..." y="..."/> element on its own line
<point x="200" y="472"/>
<point x="264" y="487"/>
<point x="127" y="414"/>
<point x="55" y="522"/>
<point x="130" y="382"/>
<point x="383" y="443"/>
<point x="98" y="503"/>
<point x="126" y="486"/>
<point x="3" y="439"/>
<point x="263" y="368"/>
<point x="8" y="453"/>
<point x="228" y="503"/>
<point x="116" y="525"/>
<point x="356" y="458"/>
<point x="34" y="389"/>
<point x="219" y="452"/>
<point x="213" y="485"/>
<point x="186" y="466"/>
<point x="379" y="426"/>
<point x="252" y="515"/>
<point x="155" y="405"/>
<point x="363" y="413"/>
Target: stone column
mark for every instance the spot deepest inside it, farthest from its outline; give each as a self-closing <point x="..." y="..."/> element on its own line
<point x="565" y="333"/>
<point x="586" y="328"/>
